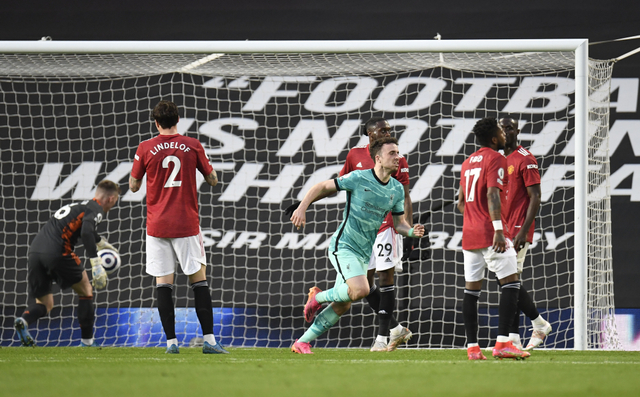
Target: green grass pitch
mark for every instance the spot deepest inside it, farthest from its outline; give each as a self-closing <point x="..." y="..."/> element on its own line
<point x="120" y="372"/>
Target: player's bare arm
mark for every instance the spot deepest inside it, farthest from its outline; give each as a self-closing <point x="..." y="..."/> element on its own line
<point x="404" y="228"/>
<point x="461" y="201"/>
<point x="493" y="202"/>
<point x="212" y="178"/>
<point x="324" y="196"/>
<point x="408" y="205"/>
<point x="535" y="197"/>
<point x="321" y="189"/>
<point x="134" y="184"/>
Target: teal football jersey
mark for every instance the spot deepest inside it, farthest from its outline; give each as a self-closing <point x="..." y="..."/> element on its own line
<point x="368" y="202"/>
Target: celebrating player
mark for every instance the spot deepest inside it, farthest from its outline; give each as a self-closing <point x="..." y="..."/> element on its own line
<point x="372" y="194"/>
<point x="519" y="212"/>
<point x="51" y="258"/>
<point x="170" y="161"/>
<point x="387" y="249"/>
<point x="483" y="242"/>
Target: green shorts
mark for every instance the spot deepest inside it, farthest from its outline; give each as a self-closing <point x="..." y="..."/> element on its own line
<point x="348" y="265"/>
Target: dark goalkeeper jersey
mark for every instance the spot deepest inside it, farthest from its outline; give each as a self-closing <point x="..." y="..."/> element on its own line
<point x="60" y="234"/>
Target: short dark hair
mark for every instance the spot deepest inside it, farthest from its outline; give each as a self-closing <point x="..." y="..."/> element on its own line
<point x="371" y="124"/>
<point x="108" y="187"/>
<point x="510" y="117"/>
<point x="166" y="114"/>
<point x="485" y="129"/>
<point x="374" y="148"/>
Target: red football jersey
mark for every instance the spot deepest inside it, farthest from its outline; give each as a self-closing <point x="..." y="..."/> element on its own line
<point x="482" y="170"/>
<point x="359" y="158"/>
<point x="170" y="162"/>
<point x="522" y="171"/>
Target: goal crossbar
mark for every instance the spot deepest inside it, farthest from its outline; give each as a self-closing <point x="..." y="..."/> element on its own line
<point x="293" y="46"/>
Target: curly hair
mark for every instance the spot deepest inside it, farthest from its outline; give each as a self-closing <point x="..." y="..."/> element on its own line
<point x="166" y="114"/>
<point x="485" y="129"/>
<point x="374" y="148"/>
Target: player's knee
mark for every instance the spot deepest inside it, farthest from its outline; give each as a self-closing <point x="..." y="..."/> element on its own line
<point x="83" y="288"/>
<point x="509" y="279"/>
<point x="358" y="292"/>
<point x="85" y="291"/>
<point x="47" y="301"/>
<point x="386" y="276"/>
<point x="49" y="306"/>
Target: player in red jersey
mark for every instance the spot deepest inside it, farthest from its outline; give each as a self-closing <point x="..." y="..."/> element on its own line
<point x="386" y="257"/>
<point x="51" y="259"/>
<point x="483" y="242"/>
<point x="170" y="161"/>
<point x="519" y="212"/>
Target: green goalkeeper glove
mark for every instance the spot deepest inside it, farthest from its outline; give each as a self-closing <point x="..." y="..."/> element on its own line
<point x="103" y="243"/>
<point x="99" y="276"/>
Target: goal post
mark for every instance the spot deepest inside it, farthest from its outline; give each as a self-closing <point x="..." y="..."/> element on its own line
<point x="245" y="100"/>
<point x="580" y="261"/>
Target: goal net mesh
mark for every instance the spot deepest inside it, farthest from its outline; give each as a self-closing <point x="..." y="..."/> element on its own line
<point x="273" y="125"/>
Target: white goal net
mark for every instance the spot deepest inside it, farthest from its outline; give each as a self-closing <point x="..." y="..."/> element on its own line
<point x="273" y="124"/>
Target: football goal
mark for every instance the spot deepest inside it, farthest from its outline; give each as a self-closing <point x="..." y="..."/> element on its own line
<point x="276" y="117"/>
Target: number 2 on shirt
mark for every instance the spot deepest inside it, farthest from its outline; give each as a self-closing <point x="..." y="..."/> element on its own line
<point x="470" y="192"/>
<point x="171" y="182"/>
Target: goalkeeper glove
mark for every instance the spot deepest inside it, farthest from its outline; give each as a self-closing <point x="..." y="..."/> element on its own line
<point x="99" y="276"/>
<point x="103" y="243"/>
<point x="290" y="209"/>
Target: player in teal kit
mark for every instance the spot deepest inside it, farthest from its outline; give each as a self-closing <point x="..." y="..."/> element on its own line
<point x="371" y="194"/>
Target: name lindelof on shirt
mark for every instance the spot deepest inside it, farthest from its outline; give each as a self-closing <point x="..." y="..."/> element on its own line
<point x="169" y="145"/>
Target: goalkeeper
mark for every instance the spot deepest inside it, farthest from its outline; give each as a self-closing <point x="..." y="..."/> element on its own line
<point x="371" y="194"/>
<point x="51" y="259"/>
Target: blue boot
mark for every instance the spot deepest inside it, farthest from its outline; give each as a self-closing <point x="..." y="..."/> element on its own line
<point x="21" y="329"/>
<point x="213" y="349"/>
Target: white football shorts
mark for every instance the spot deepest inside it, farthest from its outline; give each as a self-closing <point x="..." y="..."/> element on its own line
<point x="387" y="251"/>
<point x="163" y="252"/>
<point x="503" y="265"/>
<point x="522" y="254"/>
